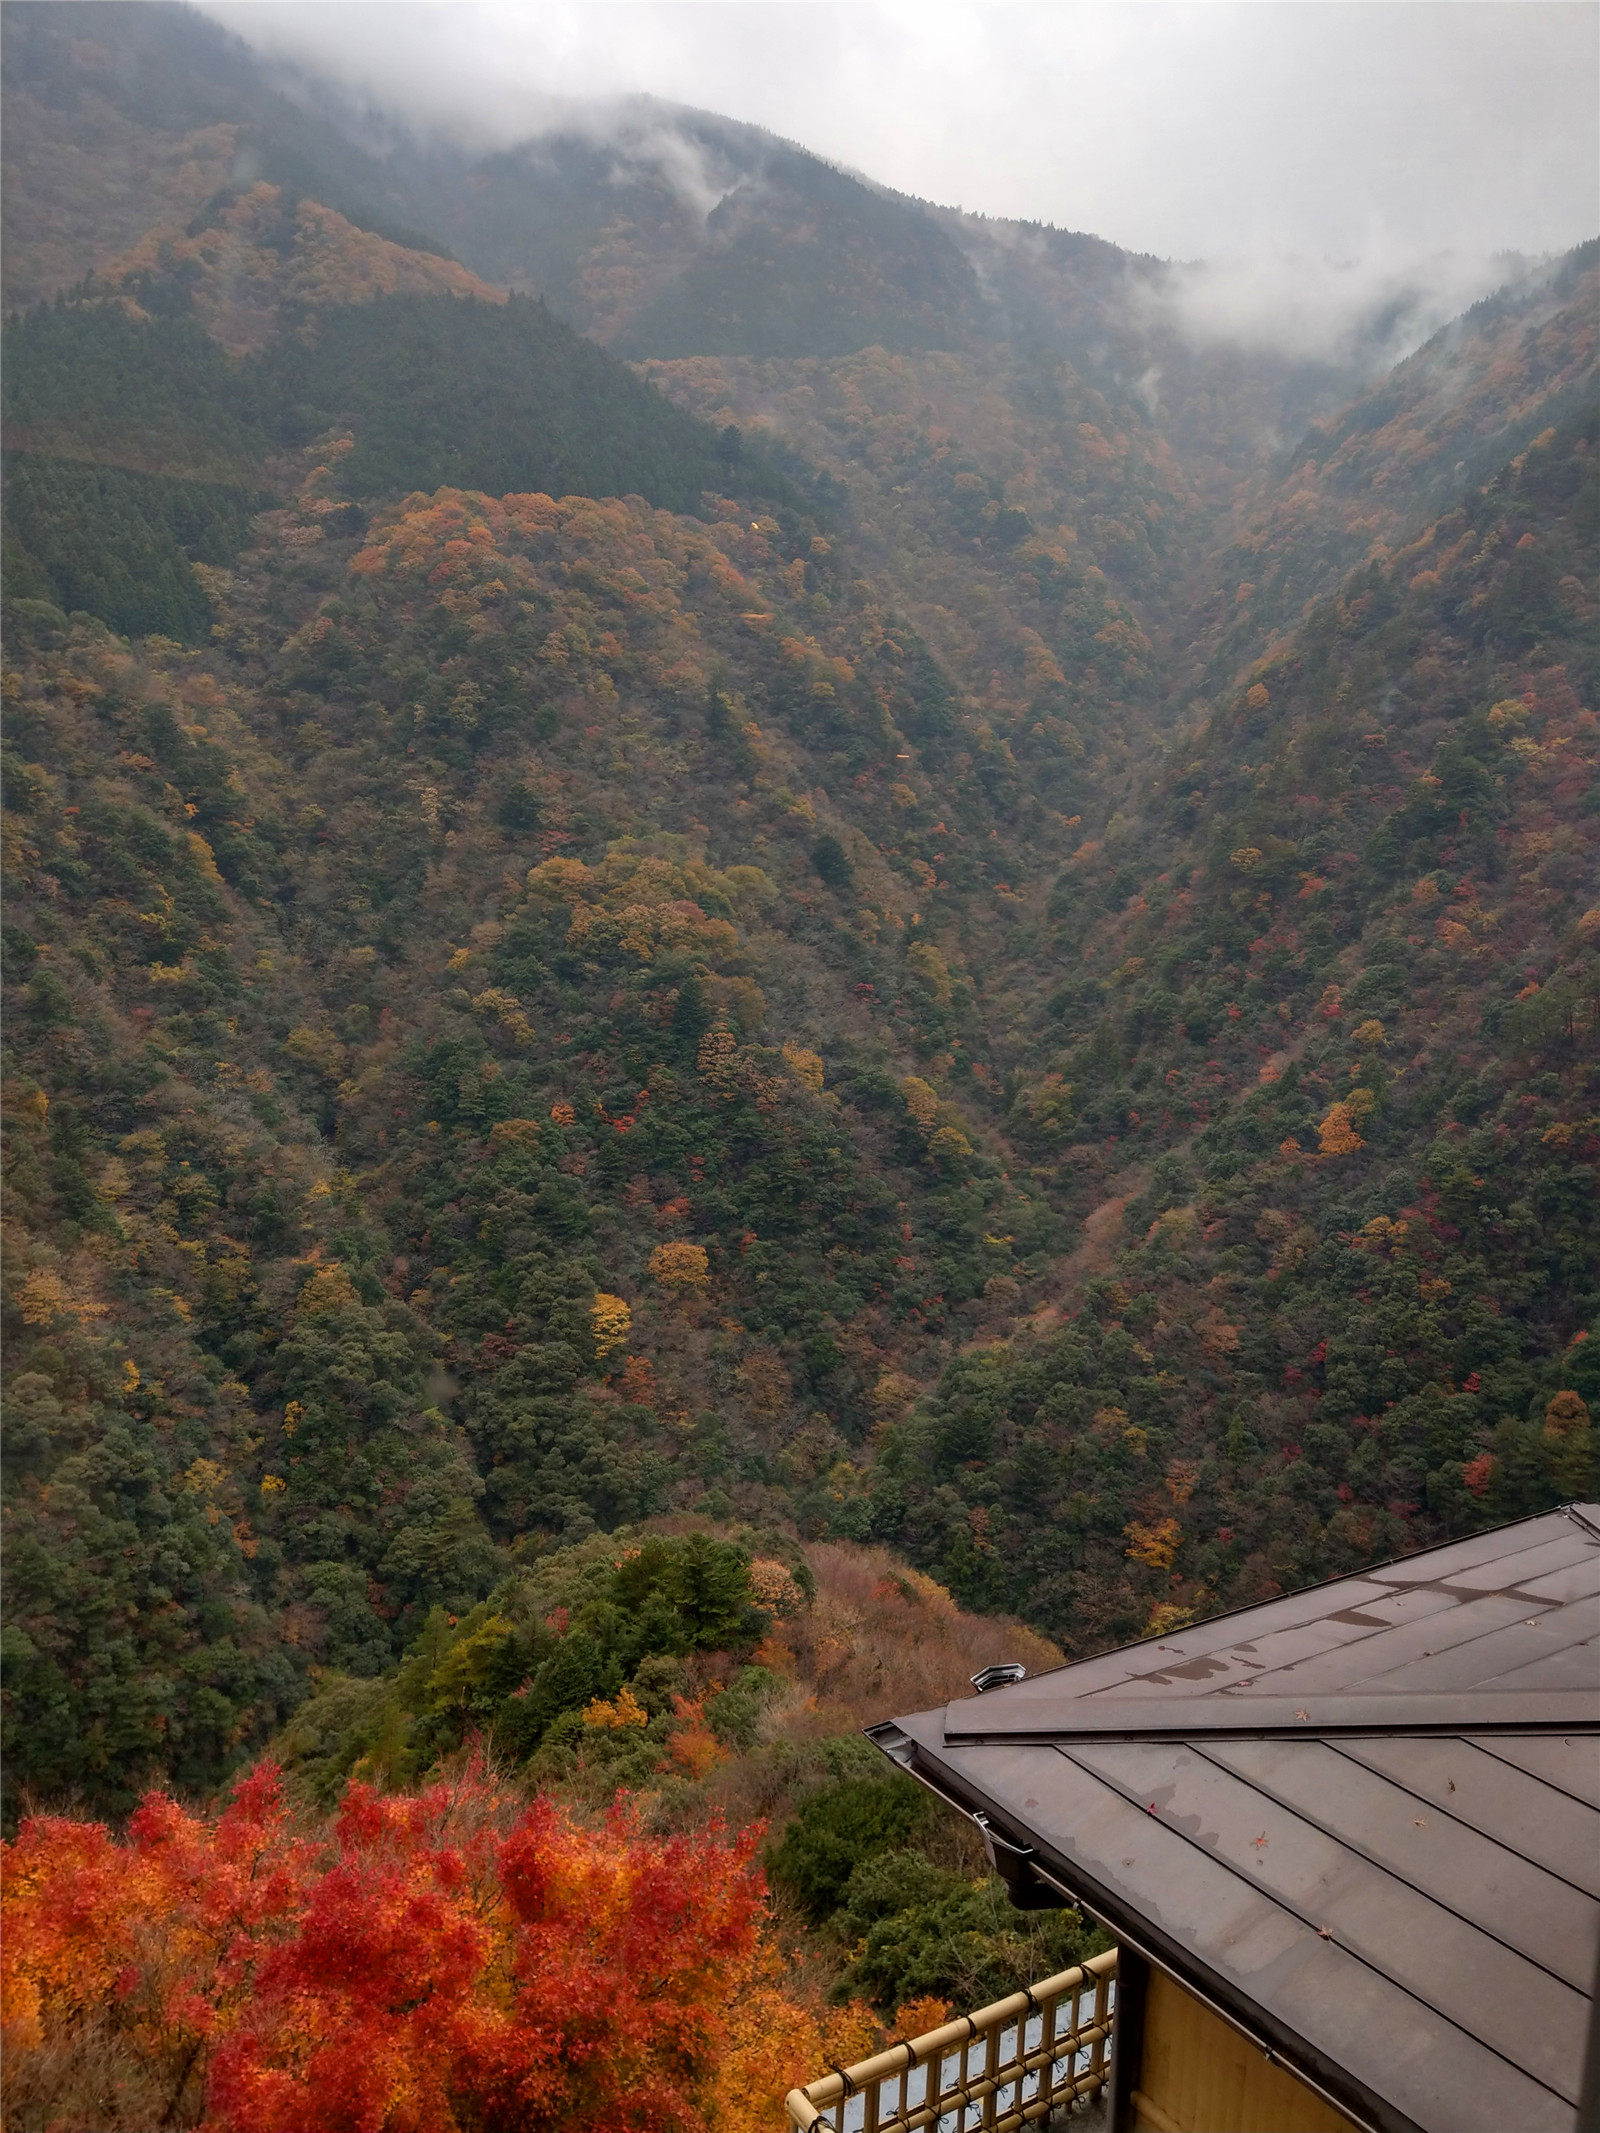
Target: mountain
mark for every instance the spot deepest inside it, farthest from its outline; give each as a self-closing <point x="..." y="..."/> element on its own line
<point x="666" y="231"/>
<point x="141" y="419"/>
<point x="123" y="120"/>
<point x="1405" y="450"/>
<point x="1323" y="1057"/>
<point x="890" y="924"/>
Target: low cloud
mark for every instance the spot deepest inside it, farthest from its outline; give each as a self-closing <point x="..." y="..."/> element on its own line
<point x="698" y="174"/>
<point x="639" y="135"/>
<point x="1366" y="314"/>
<point x="1352" y="174"/>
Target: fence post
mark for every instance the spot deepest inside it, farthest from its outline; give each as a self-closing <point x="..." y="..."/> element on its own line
<point x="1127" y="2038"/>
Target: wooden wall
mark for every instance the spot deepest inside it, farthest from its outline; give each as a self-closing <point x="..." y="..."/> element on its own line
<point x="1198" y="2075"/>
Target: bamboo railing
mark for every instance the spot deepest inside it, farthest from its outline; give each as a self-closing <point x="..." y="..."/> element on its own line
<point x="1008" y="2065"/>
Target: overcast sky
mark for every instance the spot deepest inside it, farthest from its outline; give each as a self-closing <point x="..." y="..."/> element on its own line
<point x="1355" y="128"/>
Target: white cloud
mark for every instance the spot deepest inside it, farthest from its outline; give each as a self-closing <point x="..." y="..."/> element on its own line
<point x="1369" y="312"/>
<point x="1182" y="129"/>
<point x="1322" y="156"/>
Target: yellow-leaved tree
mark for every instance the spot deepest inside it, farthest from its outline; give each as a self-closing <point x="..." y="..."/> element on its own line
<point x="329" y="1289"/>
<point x="680" y="1266"/>
<point x="921" y="1101"/>
<point x="609" y="1320"/>
<point x="1337" y="1134"/>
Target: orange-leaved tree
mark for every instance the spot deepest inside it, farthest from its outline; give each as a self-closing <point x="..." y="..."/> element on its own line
<point x="778" y="2036"/>
<point x="124" y="1962"/>
<point x="680" y="1266"/>
<point x="435" y="1962"/>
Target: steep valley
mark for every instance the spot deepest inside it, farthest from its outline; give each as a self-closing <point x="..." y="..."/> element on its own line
<point x="786" y="870"/>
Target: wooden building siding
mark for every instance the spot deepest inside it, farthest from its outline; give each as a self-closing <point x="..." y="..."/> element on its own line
<point x="1197" y="2074"/>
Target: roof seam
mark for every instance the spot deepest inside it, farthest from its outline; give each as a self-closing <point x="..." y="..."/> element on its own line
<point x="1458" y="1644"/>
<point x="1359" y="1851"/>
<point x="1146" y="1938"/>
<point x="1427" y="1800"/>
<point x="1508" y="1764"/>
<point x="1350" y="1577"/>
<point x="1355" y="1954"/>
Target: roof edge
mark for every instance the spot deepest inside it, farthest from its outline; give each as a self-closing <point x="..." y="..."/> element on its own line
<point x="1046" y="1869"/>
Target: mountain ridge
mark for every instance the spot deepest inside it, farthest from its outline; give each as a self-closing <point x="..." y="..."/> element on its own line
<point x="983" y="960"/>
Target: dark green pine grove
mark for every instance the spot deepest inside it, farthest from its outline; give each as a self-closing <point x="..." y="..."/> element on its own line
<point x="446" y="393"/>
<point x="132" y="452"/>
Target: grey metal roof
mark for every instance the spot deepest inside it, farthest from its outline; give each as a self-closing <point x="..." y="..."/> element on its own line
<point x="1363" y="1819"/>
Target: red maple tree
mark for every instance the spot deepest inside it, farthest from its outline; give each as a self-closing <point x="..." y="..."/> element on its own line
<point x="451" y="1960"/>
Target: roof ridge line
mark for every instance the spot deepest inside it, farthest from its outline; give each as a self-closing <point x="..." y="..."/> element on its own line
<point x="1416" y="1711"/>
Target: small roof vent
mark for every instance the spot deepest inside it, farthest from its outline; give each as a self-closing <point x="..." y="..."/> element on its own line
<point x="999" y="1677"/>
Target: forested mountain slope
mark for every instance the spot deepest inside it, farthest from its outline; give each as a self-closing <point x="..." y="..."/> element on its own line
<point x="520" y="1011"/>
<point x="659" y="231"/>
<point x="123" y="120"/>
<point x="1366" y="480"/>
<point x="899" y="937"/>
<point x="1054" y="370"/>
<point x="138" y="446"/>
<point x="1033" y="463"/>
<point x="1324" y="1050"/>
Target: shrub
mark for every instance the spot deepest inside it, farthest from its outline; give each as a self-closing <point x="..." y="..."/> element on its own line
<point x="921" y="1932"/>
<point x="829" y="858"/>
<point x="845" y="1822"/>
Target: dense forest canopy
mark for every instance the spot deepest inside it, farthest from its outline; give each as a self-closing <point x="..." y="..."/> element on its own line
<point x="667" y="1022"/>
<point x="139" y="445"/>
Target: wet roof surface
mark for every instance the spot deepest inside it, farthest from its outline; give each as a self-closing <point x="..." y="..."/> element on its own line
<point x="1365" y="1817"/>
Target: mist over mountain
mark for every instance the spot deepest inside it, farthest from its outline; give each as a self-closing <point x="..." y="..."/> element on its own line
<point x="708" y="866"/>
<point x="1337" y="188"/>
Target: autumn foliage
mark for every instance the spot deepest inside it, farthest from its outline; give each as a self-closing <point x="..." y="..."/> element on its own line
<point x="450" y="1959"/>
